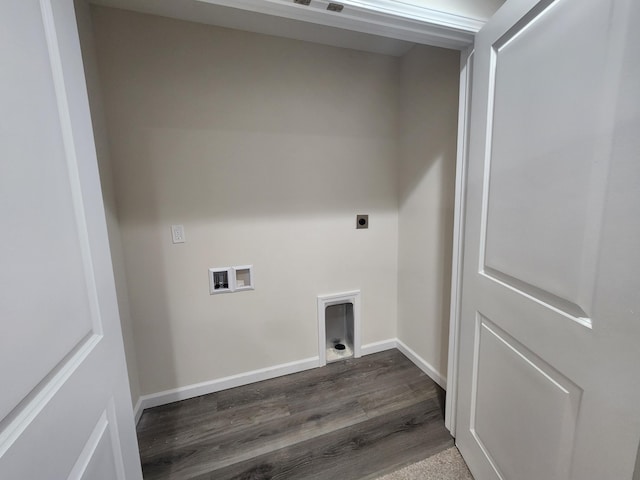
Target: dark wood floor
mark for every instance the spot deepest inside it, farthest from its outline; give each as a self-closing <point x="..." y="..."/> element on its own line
<point x="355" y="419"/>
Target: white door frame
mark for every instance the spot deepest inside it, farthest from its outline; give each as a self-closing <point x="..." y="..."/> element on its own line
<point x="464" y="104"/>
<point x="438" y="29"/>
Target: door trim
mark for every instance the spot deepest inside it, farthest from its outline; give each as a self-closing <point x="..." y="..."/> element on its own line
<point x="464" y="104"/>
<point x="392" y="19"/>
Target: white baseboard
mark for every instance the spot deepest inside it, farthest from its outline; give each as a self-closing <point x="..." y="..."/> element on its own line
<point x="376" y="347"/>
<point x="137" y="410"/>
<point x="422" y="364"/>
<point x="203" y="388"/>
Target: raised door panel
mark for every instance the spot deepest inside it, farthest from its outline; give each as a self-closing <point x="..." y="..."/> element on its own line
<point x="519" y="400"/>
<point x="48" y="294"/>
<point x="98" y="459"/>
<point x="546" y="144"/>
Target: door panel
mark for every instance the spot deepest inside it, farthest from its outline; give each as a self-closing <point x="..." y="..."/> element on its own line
<point x="548" y="383"/>
<point x="511" y="381"/>
<point x="42" y="251"/>
<point x="65" y="410"/>
<point x="536" y="167"/>
<point x="99" y="460"/>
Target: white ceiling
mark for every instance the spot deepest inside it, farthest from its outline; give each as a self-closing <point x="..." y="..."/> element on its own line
<point x="380" y="26"/>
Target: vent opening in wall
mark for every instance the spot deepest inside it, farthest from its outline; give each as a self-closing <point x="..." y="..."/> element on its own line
<point x="339" y="326"/>
<point x="339" y="331"/>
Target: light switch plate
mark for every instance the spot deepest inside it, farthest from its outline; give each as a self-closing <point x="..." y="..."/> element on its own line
<point x="177" y="233"/>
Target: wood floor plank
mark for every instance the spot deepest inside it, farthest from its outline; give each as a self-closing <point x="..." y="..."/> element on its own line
<point x="159" y="418"/>
<point x="352" y="419"/>
<point x="262" y="440"/>
<point x="388" y="400"/>
<point x="355" y="452"/>
<point x="346" y="386"/>
<point x="210" y="428"/>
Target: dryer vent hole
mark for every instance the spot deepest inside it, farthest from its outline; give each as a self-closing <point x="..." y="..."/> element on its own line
<point x="338" y="334"/>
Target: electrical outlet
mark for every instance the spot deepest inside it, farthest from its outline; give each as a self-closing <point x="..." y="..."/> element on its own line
<point x="177" y="233"/>
<point x="362" y="221"/>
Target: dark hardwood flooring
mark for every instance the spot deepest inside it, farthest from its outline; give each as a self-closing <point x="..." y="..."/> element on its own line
<point x="354" y="419"/>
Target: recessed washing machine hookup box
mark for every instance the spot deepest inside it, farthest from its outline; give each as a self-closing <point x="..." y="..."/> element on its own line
<point x="230" y="279"/>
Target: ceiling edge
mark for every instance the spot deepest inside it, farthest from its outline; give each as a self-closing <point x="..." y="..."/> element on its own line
<point x="378" y="17"/>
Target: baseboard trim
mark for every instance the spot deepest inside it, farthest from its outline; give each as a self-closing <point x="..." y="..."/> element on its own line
<point x="137" y="410"/>
<point x="422" y="364"/>
<point x="377" y="347"/>
<point x="203" y="388"/>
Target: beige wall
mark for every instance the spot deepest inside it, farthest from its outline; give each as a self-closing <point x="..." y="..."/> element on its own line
<point x="265" y="149"/>
<point x="85" y="31"/>
<point x="429" y="98"/>
<point x="636" y="472"/>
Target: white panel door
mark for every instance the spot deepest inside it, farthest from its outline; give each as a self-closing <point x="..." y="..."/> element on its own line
<point x="65" y="410"/>
<point x="549" y="379"/>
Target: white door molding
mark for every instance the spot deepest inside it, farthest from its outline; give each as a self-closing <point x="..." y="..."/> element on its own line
<point x="464" y="103"/>
<point x="391" y="19"/>
<point x="381" y="17"/>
